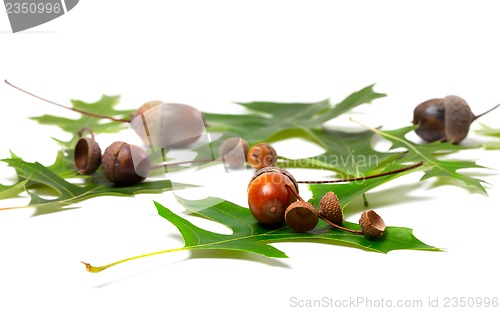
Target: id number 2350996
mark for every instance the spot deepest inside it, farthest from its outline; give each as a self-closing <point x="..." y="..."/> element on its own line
<point x="32" y="8"/>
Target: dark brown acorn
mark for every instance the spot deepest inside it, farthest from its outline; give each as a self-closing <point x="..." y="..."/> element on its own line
<point x="444" y="119"/>
<point x="124" y="164"/>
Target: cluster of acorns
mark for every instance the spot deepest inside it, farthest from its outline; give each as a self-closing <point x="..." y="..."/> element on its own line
<point x="117" y="161"/>
<point x="176" y="126"/>
<point x="301" y="216"/>
<point x="273" y="200"/>
<point x="273" y="196"/>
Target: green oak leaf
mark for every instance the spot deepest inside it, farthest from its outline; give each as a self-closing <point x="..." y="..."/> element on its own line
<point x="249" y="236"/>
<point x="429" y="152"/>
<point x="64" y="165"/>
<point x="11" y="191"/>
<point x="492" y="145"/>
<point x="268" y="119"/>
<point x="44" y="180"/>
<point x="104" y="106"/>
<point x="488" y="131"/>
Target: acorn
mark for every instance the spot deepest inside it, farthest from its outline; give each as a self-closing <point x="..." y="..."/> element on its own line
<point x="372" y="225"/>
<point x="262" y="155"/>
<point x="301" y="216"/>
<point x="87" y="156"/>
<point x="270" y="192"/>
<point x="444" y="119"/>
<point x="233" y="152"/>
<point x="329" y="208"/>
<point x="163" y="125"/>
<point x="125" y="164"/>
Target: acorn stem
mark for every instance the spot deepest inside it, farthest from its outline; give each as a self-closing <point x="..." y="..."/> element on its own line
<point x="486" y="112"/>
<point x="340" y="227"/>
<point x="295" y="193"/>
<point x="404" y="169"/>
<point x="88" y="129"/>
<point x="90" y="114"/>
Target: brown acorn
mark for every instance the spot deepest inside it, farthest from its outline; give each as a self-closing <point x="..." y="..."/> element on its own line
<point x="233" y="152"/>
<point x="125" y="164"/>
<point x="329" y="208"/>
<point x="87" y="156"/>
<point x="169" y="126"/>
<point x="270" y="192"/>
<point x="372" y="225"/>
<point x="262" y="155"/>
<point x="445" y="119"/>
<point x="301" y="216"/>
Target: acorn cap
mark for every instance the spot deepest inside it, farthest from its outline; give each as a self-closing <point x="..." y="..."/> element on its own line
<point x="87" y="156"/>
<point x="269" y="169"/>
<point x="458" y="118"/>
<point x="372" y="225"/>
<point x="329" y="208"/>
<point x="301" y="216"/>
<point x="233" y="152"/>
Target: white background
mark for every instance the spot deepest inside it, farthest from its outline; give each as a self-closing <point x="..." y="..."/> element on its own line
<point x="209" y="54"/>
